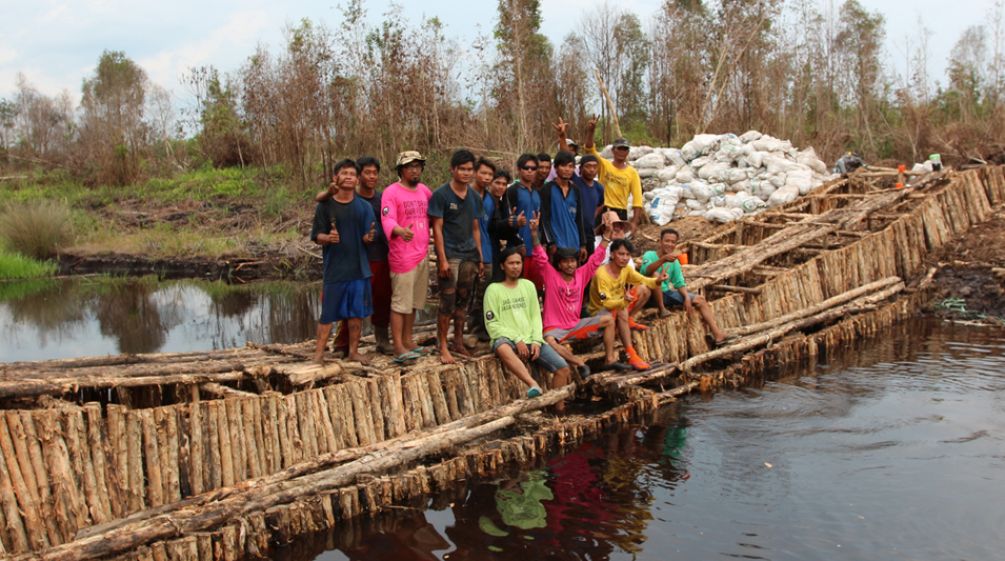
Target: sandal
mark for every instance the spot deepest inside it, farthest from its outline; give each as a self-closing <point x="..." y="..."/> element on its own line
<point x="533" y="392"/>
<point x="406" y="358"/>
<point x="617" y="367"/>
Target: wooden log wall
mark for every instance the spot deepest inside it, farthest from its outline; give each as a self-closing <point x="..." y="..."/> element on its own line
<point x="72" y="467"/>
<point x="898" y="249"/>
<point x="67" y="468"/>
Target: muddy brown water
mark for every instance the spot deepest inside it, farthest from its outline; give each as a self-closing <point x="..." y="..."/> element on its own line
<point x="894" y="450"/>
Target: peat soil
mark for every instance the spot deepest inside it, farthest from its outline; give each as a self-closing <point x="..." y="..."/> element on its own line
<point x="970" y="283"/>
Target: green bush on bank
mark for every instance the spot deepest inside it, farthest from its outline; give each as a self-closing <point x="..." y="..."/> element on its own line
<point x="17" y="266"/>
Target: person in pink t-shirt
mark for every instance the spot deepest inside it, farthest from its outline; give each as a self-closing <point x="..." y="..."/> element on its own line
<point x="404" y="217"/>
<point x="564" y="287"/>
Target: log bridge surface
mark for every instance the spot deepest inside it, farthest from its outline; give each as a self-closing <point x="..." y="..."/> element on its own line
<point x="219" y="455"/>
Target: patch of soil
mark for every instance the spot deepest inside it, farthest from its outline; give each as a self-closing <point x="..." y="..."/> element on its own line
<point x="970" y="283"/>
<point x="691" y="228"/>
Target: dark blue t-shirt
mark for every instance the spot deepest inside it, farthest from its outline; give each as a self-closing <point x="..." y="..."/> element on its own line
<point x="592" y="196"/>
<point x="483" y="224"/>
<point x="563" y="217"/>
<point x="527" y="201"/>
<point x="458" y="221"/>
<point x="346" y="260"/>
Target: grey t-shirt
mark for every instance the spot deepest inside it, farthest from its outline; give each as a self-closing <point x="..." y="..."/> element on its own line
<point x="458" y="221"/>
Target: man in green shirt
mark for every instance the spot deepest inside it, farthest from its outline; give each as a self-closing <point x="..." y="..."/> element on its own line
<point x="513" y="320"/>
<point x="674" y="290"/>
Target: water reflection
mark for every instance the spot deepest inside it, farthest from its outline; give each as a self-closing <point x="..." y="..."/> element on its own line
<point x="81" y="317"/>
<point x="892" y="451"/>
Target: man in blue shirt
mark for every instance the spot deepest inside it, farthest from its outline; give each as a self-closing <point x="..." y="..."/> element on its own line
<point x="561" y="210"/>
<point x="525" y="202"/>
<point x="485" y="172"/>
<point x="343" y="226"/>
<point x="592" y="194"/>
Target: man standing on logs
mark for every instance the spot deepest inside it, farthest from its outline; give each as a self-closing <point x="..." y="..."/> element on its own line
<point x="485" y="172"/>
<point x="524" y="202"/>
<point x="455" y="209"/>
<point x="673" y="292"/>
<point x="620" y="179"/>
<point x="404" y="217"/>
<point x="513" y="319"/>
<point x="380" y="279"/>
<point x="561" y="210"/>
<point x="609" y="293"/>
<point x="564" y="288"/>
<point x="343" y="225"/>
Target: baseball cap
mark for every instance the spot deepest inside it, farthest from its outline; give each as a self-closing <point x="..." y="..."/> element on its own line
<point x="620" y="143"/>
<point x="408" y="157"/>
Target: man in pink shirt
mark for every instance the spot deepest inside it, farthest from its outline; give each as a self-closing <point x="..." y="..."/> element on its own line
<point x="406" y="223"/>
<point x="564" y="287"/>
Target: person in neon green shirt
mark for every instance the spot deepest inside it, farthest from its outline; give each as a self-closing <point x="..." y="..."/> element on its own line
<point x="674" y="290"/>
<point x="513" y="320"/>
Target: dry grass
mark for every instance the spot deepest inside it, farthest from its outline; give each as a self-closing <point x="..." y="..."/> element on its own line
<point x="36" y="229"/>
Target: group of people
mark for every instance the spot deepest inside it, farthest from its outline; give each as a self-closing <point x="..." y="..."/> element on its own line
<point x="529" y="265"/>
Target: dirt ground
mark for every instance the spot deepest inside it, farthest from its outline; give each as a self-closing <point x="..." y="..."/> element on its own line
<point x="970" y="283"/>
<point x="690" y="227"/>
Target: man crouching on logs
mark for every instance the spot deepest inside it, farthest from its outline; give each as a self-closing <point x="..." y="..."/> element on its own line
<point x="513" y="320"/>
<point x="342" y="225"/>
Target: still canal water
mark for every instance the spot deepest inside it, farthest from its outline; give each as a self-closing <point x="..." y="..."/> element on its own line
<point x="895" y="451"/>
<point x="96" y="316"/>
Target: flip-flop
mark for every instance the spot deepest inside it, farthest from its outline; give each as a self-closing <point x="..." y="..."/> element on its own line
<point x="618" y="367"/>
<point x="534" y="392"/>
<point x="584" y="371"/>
<point x="421" y="351"/>
<point x="406" y="358"/>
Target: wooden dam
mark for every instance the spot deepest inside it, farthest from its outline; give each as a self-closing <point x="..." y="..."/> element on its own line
<point x="221" y="455"/>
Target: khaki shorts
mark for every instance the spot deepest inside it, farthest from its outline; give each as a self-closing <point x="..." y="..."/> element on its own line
<point x="408" y="290"/>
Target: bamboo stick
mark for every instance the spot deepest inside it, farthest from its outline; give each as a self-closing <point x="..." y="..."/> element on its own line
<point x="152" y="457"/>
<point x="18" y="500"/>
<point x="376" y="412"/>
<point x="246" y="409"/>
<point x="231" y="414"/>
<point x="22" y="429"/>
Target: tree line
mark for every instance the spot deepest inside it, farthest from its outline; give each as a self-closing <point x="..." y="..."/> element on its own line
<point x="786" y="67"/>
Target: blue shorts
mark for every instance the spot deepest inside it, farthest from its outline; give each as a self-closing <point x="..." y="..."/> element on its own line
<point x="549" y="359"/>
<point x="346" y="300"/>
<point x="673" y="299"/>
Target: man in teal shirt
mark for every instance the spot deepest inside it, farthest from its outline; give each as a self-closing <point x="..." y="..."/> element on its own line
<point x="674" y="290"/>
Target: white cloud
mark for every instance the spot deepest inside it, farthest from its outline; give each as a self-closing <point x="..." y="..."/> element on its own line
<point x="237" y="35"/>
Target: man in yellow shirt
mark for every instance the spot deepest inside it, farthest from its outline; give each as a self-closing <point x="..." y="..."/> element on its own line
<point x="619" y="179"/>
<point x="609" y="295"/>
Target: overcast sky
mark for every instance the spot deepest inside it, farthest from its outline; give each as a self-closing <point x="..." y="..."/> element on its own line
<point x="56" y="43"/>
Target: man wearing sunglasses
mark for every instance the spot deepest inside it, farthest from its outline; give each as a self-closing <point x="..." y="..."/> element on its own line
<point x="525" y="203"/>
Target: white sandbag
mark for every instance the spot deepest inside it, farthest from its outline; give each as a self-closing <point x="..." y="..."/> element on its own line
<point x="667" y="174"/>
<point x="714" y="172"/>
<point x="753" y="204"/>
<point x="779" y="164"/>
<point x="808" y="158"/>
<point x="777" y="180"/>
<point x="750" y="136"/>
<point x="755" y="159"/>
<point x="723" y="214"/>
<point x="801" y="179"/>
<point x="735" y="175"/>
<point x="674" y="156"/>
<point x="701" y="191"/>
<point x="783" y="195"/>
<point x="652" y="160"/>
<point x="717" y="201"/>
<point x="646" y="173"/>
<point x="636" y="152"/>
<point x="685" y="175"/>
<point x="694" y="204"/>
<point x="698" y="163"/>
<point x="718" y="189"/>
<point x="771" y="144"/>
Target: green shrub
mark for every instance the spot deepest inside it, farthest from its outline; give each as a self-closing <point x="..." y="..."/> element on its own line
<point x="17" y="266"/>
<point x="37" y="228"/>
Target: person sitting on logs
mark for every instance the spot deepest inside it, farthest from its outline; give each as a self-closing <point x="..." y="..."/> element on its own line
<point x="565" y="285"/>
<point x="343" y="225"/>
<point x="455" y="209"/>
<point x="674" y="293"/>
<point x="610" y="294"/>
<point x="513" y="320"/>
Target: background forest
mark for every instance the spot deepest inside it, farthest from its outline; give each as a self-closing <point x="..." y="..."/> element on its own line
<point x="347" y="87"/>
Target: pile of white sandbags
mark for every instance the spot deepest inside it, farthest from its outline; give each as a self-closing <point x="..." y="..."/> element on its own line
<point x="724" y="176"/>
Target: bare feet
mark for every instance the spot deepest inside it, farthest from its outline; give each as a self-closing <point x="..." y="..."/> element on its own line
<point x="319" y="359"/>
<point x="664" y="313"/>
<point x="461" y="349"/>
<point x="446" y="357"/>
<point x="357" y="357"/>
